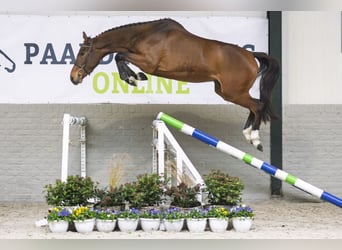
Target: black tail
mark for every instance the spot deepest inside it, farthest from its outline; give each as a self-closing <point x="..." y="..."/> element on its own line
<point x="270" y="71"/>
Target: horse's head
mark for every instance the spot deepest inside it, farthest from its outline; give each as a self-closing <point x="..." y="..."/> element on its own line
<point x="87" y="59"/>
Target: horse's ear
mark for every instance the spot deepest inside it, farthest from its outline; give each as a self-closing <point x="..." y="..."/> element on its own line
<point x="85" y="37"/>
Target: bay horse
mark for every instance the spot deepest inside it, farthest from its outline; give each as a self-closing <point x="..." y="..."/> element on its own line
<point x="165" y="48"/>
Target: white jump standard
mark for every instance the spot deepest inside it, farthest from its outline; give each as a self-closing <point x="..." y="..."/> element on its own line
<point x="252" y="161"/>
<point x="68" y="121"/>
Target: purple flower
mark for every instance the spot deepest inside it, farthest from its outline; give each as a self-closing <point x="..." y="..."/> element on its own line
<point x="242" y="211"/>
<point x="154" y="212"/>
<point x="64" y="213"/>
<point x="135" y="210"/>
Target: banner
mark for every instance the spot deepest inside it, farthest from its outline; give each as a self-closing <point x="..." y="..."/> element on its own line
<point x="38" y="52"/>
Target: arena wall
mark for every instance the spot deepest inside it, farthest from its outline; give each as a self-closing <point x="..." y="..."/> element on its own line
<point x="31" y="145"/>
<point x="31" y="134"/>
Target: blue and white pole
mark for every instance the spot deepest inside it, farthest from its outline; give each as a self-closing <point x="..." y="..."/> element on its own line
<point x="249" y="159"/>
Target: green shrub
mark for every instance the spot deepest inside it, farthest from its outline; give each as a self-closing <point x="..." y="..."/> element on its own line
<point x="151" y="186"/>
<point x="76" y="191"/>
<point x="222" y="188"/>
<point x="183" y="195"/>
<point x="110" y="197"/>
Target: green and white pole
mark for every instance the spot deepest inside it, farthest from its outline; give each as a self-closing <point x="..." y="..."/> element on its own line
<point x="249" y="159"/>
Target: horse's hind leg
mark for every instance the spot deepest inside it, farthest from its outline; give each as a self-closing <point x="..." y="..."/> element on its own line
<point x="247" y="129"/>
<point x="252" y="125"/>
<point x="255" y="138"/>
<point x="126" y="73"/>
<point x="251" y="131"/>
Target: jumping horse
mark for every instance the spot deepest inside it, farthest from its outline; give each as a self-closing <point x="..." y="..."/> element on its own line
<point x="165" y="48"/>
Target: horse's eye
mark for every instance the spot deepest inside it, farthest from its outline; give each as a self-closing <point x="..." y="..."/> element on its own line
<point x="82" y="52"/>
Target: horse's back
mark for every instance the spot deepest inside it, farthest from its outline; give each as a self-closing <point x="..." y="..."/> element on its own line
<point x="166" y="24"/>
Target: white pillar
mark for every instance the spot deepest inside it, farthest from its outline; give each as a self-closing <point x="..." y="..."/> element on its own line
<point x="65" y="149"/>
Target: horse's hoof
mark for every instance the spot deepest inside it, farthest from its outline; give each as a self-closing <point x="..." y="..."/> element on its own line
<point x="142" y="76"/>
<point x="260" y="147"/>
<point x="132" y="81"/>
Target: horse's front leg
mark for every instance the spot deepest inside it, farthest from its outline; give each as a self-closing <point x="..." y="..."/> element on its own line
<point x="126" y="73"/>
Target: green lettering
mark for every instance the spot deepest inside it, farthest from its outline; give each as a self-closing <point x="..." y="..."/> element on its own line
<point x="167" y="84"/>
<point x="105" y="83"/>
<point x="149" y="89"/>
<point x="118" y="81"/>
<point x="136" y="90"/>
<point x="180" y="89"/>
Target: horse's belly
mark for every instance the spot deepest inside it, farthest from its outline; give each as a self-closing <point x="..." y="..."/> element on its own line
<point x="185" y="76"/>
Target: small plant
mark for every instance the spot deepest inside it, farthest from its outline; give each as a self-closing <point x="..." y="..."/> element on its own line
<point x="222" y="188"/>
<point x="106" y="215"/>
<point x="131" y="194"/>
<point x="184" y="196"/>
<point x="173" y="213"/>
<point x="132" y="213"/>
<point x="151" y="187"/>
<point x="76" y="191"/>
<point x="218" y="212"/>
<point x="146" y="191"/>
<point x="59" y="214"/>
<point x="110" y="197"/>
<point x="241" y="211"/>
<point x="151" y="214"/>
<point x="196" y="213"/>
<point x="83" y="213"/>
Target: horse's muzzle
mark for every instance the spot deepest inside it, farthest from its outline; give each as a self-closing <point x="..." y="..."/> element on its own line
<point x="76" y="77"/>
<point x="74" y="81"/>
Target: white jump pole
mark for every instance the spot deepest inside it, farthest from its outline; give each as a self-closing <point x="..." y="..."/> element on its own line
<point x="249" y="159"/>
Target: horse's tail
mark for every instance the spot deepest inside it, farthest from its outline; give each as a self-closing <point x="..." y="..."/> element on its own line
<point x="270" y="71"/>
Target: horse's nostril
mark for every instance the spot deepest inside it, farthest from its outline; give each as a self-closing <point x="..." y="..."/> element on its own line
<point x="73" y="80"/>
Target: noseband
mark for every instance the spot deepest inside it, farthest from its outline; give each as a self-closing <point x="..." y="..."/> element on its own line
<point x="82" y="66"/>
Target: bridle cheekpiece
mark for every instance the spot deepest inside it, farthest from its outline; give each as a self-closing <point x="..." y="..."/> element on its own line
<point x="82" y="67"/>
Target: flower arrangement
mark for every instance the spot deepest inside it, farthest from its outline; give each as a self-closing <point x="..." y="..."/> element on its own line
<point x="132" y="213"/>
<point x="197" y="213"/>
<point x="106" y="215"/>
<point x="241" y="211"/>
<point x="83" y="213"/>
<point x="151" y="214"/>
<point x="59" y="214"/>
<point x="218" y="212"/>
<point x="173" y="213"/>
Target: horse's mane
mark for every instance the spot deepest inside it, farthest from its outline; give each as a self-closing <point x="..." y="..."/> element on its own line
<point x="134" y="24"/>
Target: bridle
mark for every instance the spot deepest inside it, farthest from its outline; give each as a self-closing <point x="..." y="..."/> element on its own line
<point x="82" y="67"/>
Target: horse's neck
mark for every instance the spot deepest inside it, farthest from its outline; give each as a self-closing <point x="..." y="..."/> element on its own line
<point x="114" y="40"/>
<point x="121" y="37"/>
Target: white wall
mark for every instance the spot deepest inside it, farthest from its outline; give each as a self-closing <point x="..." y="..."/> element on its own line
<point x="312" y="58"/>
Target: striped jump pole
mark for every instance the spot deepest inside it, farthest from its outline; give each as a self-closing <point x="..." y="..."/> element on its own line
<point x="249" y="159"/>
